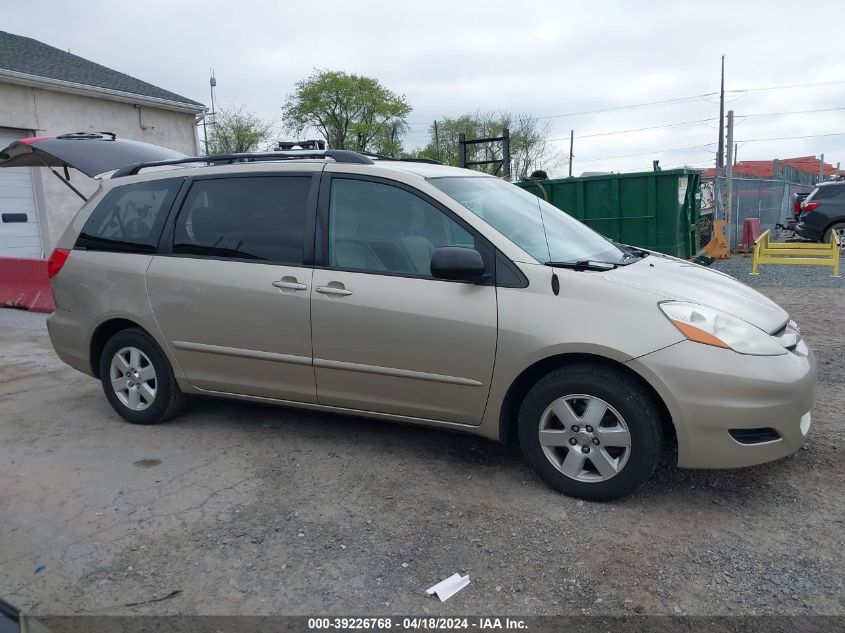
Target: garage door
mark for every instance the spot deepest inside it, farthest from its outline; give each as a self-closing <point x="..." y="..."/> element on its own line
<point x="20" y="235"/>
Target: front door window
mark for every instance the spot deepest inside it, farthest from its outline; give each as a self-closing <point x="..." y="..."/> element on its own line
<point x="376" y="227"/>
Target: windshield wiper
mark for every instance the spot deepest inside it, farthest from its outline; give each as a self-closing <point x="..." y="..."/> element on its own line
<point x="584" y="264"/>
<point x="630" y="252"/>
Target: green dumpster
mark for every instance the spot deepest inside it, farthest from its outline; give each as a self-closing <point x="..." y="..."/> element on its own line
<point x="658" y="210"/>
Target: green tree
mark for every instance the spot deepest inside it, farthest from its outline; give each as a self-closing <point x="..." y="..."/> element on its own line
<point x="530" y="148"/>
<point x="236" y="130"/>
<point x="350" y="111"/>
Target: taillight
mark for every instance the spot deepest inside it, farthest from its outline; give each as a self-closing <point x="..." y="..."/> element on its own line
<point x="57" y="260"/>
<point x="810" y="206"/>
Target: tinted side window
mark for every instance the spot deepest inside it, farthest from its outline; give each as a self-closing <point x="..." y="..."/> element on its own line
<point x="830" y="191"/>
<point x="260" y="218"/>
<point x="130" y="217"/>
<point x="376" y="227"/>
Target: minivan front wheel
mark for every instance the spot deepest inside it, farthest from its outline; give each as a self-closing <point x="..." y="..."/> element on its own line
<point x="138" y="380"/>
<point x="591" y="431"/>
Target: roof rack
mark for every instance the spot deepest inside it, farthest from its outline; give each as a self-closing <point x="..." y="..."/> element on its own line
<point x="90" y="136"/>
<point x="430" y="161"/>
<point x="339" y="155"/>
<point x="313" y="144"/>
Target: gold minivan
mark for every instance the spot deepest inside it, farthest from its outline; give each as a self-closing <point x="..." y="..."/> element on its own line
<point x="418" y="293"/>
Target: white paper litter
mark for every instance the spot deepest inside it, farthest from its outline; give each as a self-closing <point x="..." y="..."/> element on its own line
<point x="445" y="589"/>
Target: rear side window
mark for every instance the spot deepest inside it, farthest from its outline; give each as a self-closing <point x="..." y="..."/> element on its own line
<point x="828" y="192"/>
<point x="130" y="217"/>
<point x="254" y="218"/>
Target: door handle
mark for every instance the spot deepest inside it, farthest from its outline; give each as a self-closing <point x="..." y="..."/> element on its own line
<point x="333" y="290"/>
<point x="289" y="283"/>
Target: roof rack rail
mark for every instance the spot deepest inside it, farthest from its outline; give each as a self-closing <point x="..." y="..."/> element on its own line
<point x="408" y="159"/>
<point x="339" y="155"/>
<point x="313" y="144"/>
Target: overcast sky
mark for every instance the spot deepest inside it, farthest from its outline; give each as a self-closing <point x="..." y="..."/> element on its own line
<point x="547" y="58"/>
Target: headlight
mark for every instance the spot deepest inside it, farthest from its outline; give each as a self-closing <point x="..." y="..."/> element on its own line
<point x="711" y="327"/>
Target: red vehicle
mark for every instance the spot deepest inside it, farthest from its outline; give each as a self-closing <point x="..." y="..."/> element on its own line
<point x="797" y="201"/>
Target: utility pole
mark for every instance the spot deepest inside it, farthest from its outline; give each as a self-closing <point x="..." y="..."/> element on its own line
<point x="436" y="142"/>
<point x="729" y="183"/>
<point x="720" y="156"/>
<point x="821" y="169"/>
<point x="205" y="131"/>
<point x="720" y="152"/>
<point x="571" y="147"/>
<point x="736" y="151"/>
<point x="212" y="83"/>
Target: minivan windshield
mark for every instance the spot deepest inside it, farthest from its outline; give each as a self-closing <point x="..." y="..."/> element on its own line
<point x="540" y="229"/>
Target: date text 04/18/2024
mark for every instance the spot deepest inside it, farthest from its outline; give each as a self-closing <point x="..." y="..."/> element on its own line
<point x="424" y="623"/>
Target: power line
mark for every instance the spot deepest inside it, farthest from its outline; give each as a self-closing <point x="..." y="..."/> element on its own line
<point x="790" y="138"/>
<point x="657" y="151"/>
<point x="708" y="145"/>
<point x="692" y="97"/>
<point x="639" y="129"/>
<point x="688" y="98"/>
<point x="629" y="107"/>
<point x="790" y="87"/>
<point x="683" y="123"/>
<point x="740" y="91"/>
<point x="746" y="116"/>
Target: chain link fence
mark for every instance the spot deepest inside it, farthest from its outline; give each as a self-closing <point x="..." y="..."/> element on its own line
<point x="768" y="200"/>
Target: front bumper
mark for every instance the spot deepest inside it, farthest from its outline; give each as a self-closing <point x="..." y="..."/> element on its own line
<point x="710" y="391"/>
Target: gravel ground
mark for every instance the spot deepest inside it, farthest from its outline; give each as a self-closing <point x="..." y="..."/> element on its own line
<point x="739" y="266"/>
<point x="255" y="509"/>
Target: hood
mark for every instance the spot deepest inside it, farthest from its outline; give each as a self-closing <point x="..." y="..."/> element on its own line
<point x="91" y="153"/>
<point x="684" y="281"/>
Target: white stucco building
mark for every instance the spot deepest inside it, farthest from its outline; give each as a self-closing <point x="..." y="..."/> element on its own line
<point x="45" y="91"/>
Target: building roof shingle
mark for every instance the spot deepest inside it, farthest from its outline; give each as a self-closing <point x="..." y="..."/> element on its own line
<point x="26" y="55"/>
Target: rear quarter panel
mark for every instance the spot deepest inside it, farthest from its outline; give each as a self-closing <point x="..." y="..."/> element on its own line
<point x="100" y="286"/>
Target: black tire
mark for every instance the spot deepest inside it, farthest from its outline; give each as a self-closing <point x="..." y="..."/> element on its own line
<point x="624" y="394"/>
<point x="168" y="399"/>
<point x="837" y="226"/>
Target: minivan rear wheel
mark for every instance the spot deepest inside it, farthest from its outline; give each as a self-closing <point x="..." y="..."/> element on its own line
<point x="138" y="380"/>
<point x="591" y="431"/>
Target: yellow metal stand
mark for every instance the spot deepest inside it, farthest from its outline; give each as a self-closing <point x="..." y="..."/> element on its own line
<point x="768" y="252"/>
<point x="717" y="247"/>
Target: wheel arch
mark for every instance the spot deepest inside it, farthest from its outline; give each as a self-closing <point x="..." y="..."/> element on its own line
<point x="509" y="411"/>
<point x="101" y="335"/>
<point x="831" y="224"/>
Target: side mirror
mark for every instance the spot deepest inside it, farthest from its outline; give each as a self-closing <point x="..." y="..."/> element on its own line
<point x="456" y="263"/>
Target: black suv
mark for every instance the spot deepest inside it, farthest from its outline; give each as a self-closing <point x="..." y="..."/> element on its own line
<point x="823" y="212"/>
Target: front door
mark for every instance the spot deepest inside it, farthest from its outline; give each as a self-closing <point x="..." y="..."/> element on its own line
<point x="232" y="296"/>
<point x="388" y="337"/>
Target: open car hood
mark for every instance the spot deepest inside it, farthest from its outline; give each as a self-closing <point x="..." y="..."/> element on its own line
<point x="91" y="153"/>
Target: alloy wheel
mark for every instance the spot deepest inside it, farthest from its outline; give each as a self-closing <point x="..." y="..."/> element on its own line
<point x="133" y="378"/>
<point x="839" y="229"/>
<point x="585" y="438"/>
